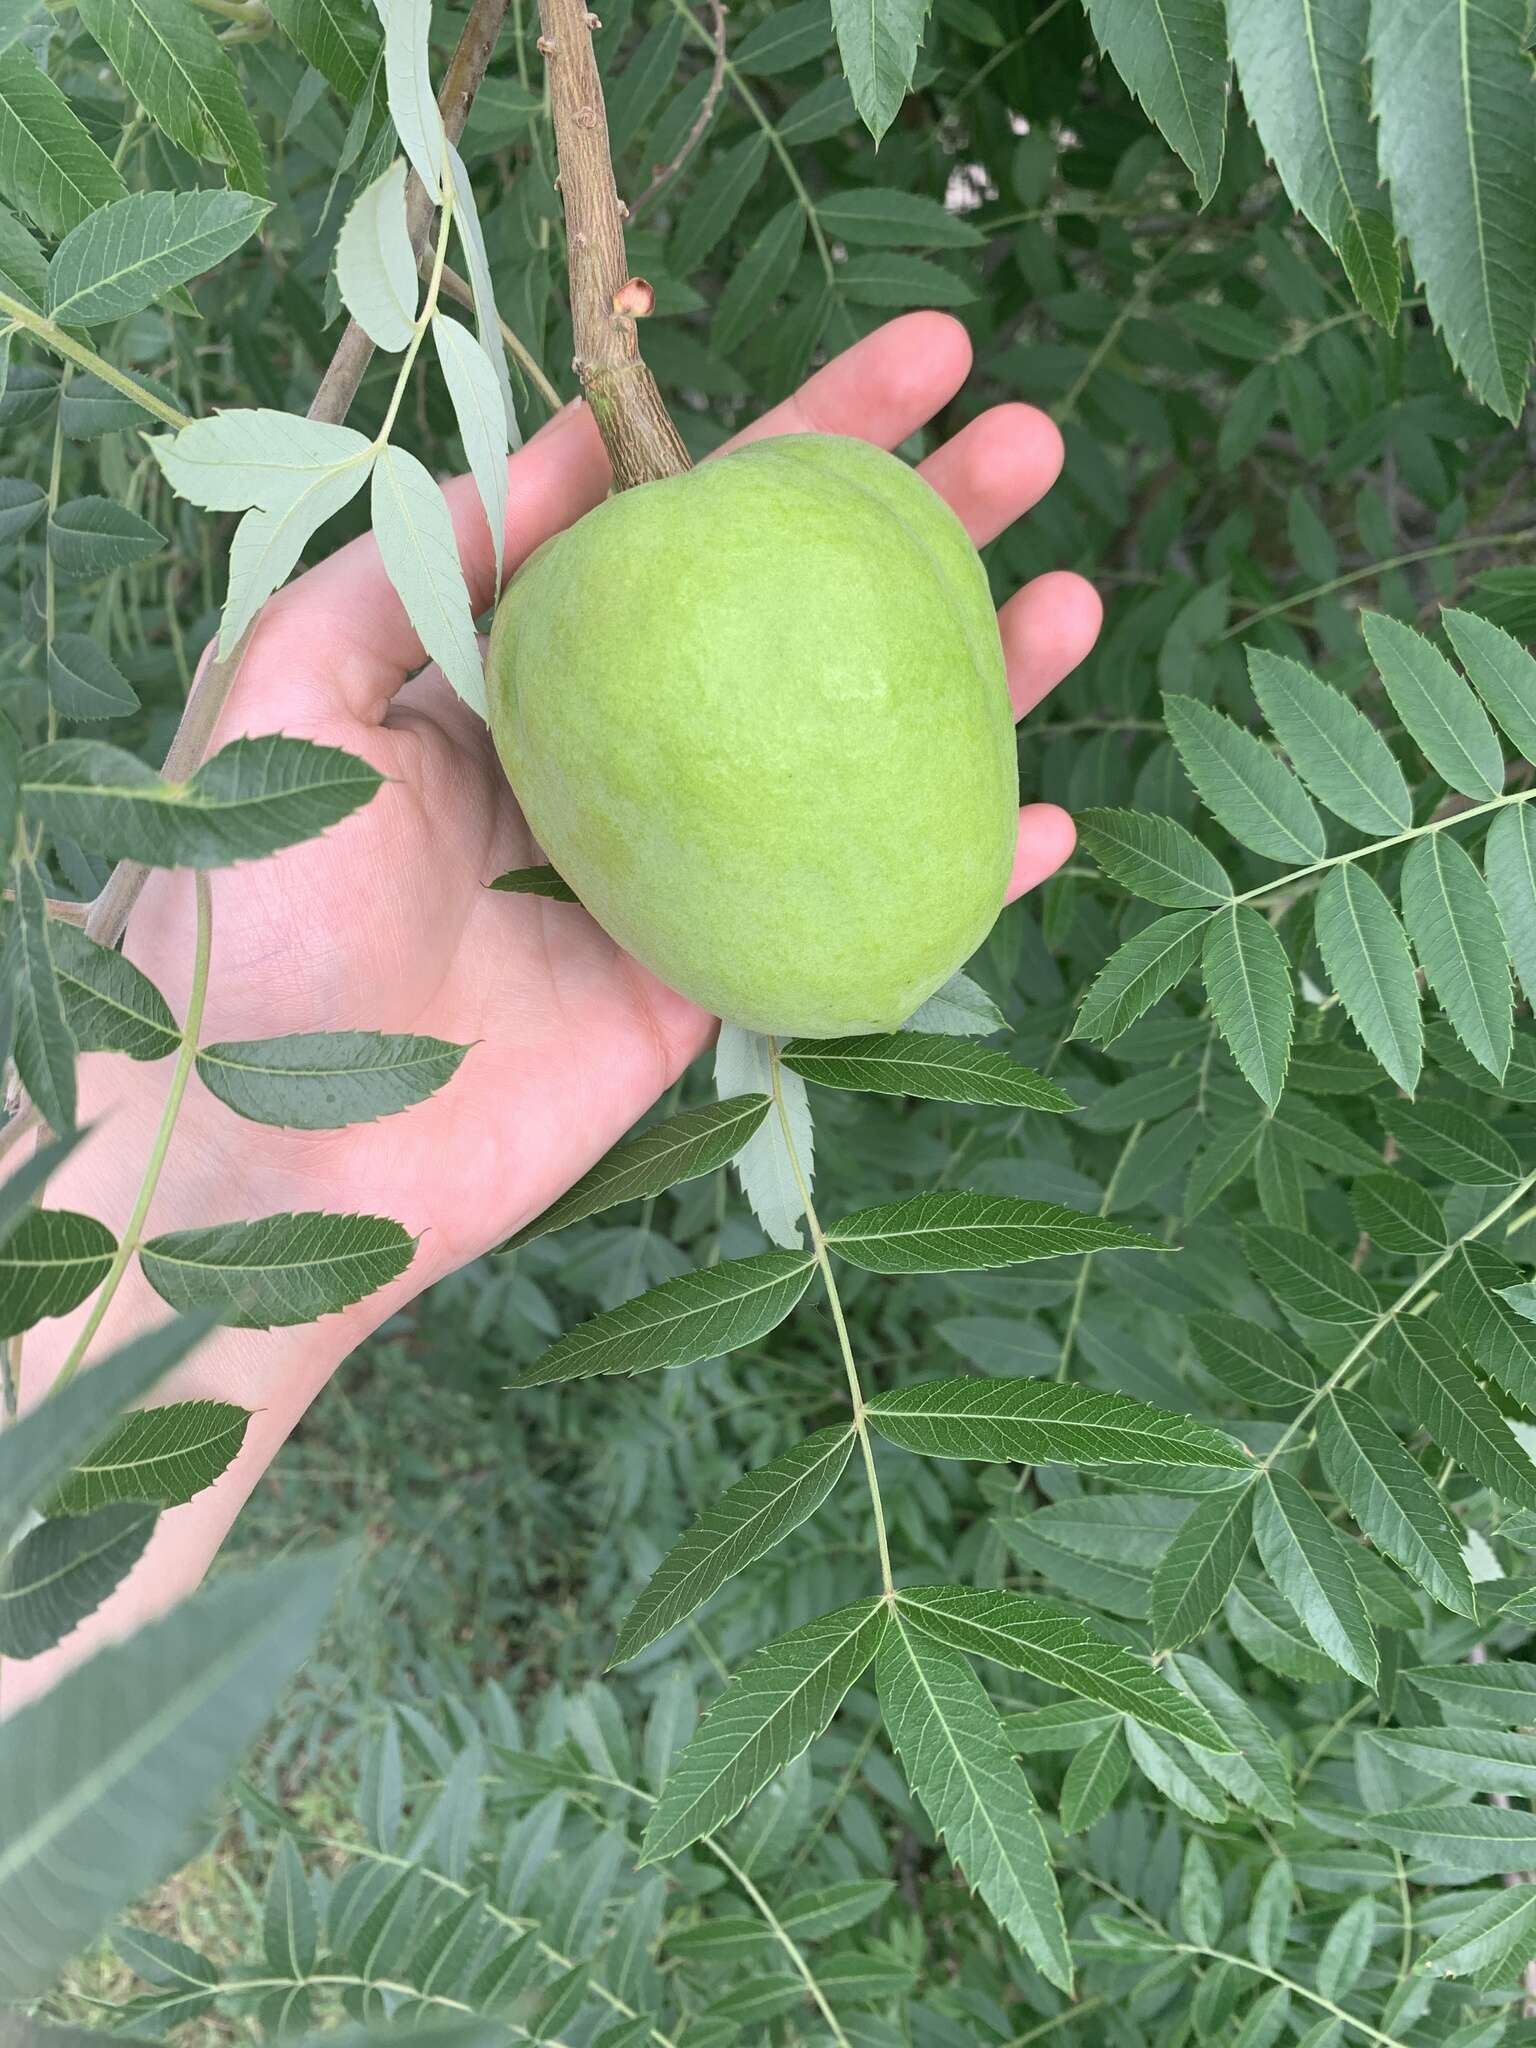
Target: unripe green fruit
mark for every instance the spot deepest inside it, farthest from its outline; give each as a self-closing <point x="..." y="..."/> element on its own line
<point x="758" y="719"/>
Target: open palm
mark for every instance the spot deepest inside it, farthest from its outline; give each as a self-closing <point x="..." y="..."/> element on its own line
<point x="386" y="923"/>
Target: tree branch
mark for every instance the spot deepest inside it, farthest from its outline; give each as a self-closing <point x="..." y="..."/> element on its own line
<point x="606" y="302"/>
<point x="666" y="172"/>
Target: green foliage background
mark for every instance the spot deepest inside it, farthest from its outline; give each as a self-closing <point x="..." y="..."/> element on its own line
<point x="443" y="1823"/>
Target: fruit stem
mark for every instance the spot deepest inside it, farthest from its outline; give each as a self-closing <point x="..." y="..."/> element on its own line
<point x="643" y="445"/>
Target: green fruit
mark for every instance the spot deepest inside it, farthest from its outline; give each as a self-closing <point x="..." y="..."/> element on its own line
<point x="757" y="717"/>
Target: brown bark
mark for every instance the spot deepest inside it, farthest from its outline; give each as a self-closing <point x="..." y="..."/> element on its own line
<point x="643" y="445"/>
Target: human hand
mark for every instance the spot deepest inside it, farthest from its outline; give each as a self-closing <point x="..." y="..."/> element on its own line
<point x="386" y="923"/>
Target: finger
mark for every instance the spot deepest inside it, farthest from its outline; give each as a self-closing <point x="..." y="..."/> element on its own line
<point x="882" y="389"/>
<point x="1046" y="838"/>
<point x="1048" y="627"/>
<point x="996" y="468"/>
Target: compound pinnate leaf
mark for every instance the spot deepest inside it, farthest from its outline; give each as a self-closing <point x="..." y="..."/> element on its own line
<point x="963" y="1232"/>
<point x="1031" y="1422"/>
<point x="132" y="252"/>
<point x="937" y="1067"/>
<point x="254" y="797"/>
<point x="278" y="1270"/>
<point x="1455" y="928"/>
<point x="1307" y="1559"/>
<point x="100" y="1782"/>
<point x="878" y="41"/>
<point x="1154" y="857"/>
<point x="49" y="1263"/>
<point x="1173" y="56"/>
<point x="62" y="1570"/>
<point x="1196" y="1571"/>
<point x="1140" y="974"/>
<point x="163" y="1455"/>
<point x="251" y="455"/>
<point x="1436" y="706"/>
<point x="375" y="263"/>
<point x="110" y="1006"/>
<point x="1393" y="1500"/>
<point x="1366" y="954"/>
<point x="1052" y="1645"/>
<point x="39" y="1450"/>
<point x="680" y="1148"/>
<point x="1248" y="980"/>
<point x="324" y="1080"/>
<point x="1243" y="785"/>
<point x="743" y="1525"/>
<point x="771" y="1711"/>
<point x="1334" y="747"/>
<point x="957" y="1759"/>
<point x="698" y="1315"/>
<point x="1456" y="113"/>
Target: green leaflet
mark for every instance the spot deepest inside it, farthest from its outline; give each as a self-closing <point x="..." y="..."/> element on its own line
<point x="1250" y="792"/>
<point x="940" y="1068"/>
<point x="62" y="1570"/>
<point x="1460" y="942"/>
<point x="698" y="1315"/>
<point x="1391" y="1497"/>
<point x="324" y="1080"/>
<point x="774" y="1707"/>
<point x="49" y="1262"/>
<point x="752" y="1516"/>
<point x="647" y="1163"/>
<point x="1456" y="107"/>
<point x="950" y="1742"/>
<point x="1053" y="1645"/>
<point x="1140" y="974"/>
<point x="1043" y="1423"/>
<point x="1366" y="954"/>
<point x="251" y="798"/>
<point x="1333" y="746"/>
<point x="1433" y="1384"/>
<point x="169" y="57"/>
<point x="1306" y="1557"/>
<point x="278" y="1270"/>
<point x="1174" y="58"/>
<point x="962" y="1232"/>
<point x="1196" y="1571"/>
<point x="164" y="1455"/>
<point x="1248" y="980"/>
<point x="49" y="166"/>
